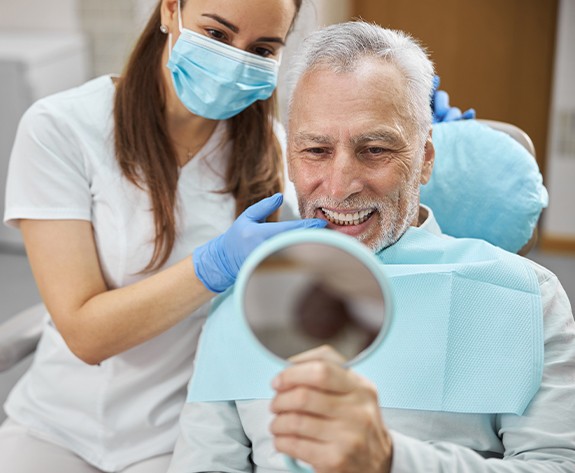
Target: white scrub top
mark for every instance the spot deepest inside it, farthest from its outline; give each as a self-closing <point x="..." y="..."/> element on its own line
<point x="63" y="166"/>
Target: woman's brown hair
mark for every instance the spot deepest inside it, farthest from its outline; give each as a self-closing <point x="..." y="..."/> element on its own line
<point x="147" y="155"/>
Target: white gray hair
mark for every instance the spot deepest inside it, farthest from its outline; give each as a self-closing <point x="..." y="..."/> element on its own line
<point x="341" y="46"/>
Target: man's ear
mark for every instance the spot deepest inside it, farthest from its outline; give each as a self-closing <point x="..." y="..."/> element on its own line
<point x="169" y="14"/>
<point x="428" y="160"/>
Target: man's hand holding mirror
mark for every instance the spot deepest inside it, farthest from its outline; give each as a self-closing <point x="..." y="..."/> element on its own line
<point x="319" y="301"/>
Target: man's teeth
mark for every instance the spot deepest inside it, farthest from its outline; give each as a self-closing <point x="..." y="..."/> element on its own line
<point x="354" y="218"/>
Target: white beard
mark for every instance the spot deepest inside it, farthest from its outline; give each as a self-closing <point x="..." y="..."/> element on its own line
<point x="393" y="221"/>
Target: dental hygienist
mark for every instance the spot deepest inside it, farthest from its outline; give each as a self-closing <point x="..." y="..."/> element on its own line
<point x="138" y="198"/>
<point x="125" y="190"/>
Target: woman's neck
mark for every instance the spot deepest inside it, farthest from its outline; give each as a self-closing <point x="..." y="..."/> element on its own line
<point x="189" y="132"/>
<point x="189" y="135"/>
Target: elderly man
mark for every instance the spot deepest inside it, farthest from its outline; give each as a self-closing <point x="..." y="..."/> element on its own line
<point x="359" y="148"/>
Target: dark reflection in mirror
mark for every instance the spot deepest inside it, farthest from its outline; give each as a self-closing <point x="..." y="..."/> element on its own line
<point x="311" y="294"/>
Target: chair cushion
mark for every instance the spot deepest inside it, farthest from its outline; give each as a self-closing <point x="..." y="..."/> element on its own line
<point x="484" y="185"/>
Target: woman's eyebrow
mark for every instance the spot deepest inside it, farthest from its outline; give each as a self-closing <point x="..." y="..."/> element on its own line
<point x="236" y="30"/>
<point x="222" y="21"/>
<point x="267" y="39"/>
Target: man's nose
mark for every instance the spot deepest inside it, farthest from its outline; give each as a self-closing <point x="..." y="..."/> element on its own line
<point x="345" y="176"/>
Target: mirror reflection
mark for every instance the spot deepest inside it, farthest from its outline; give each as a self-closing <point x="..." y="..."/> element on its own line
<point x="312" y="294"/>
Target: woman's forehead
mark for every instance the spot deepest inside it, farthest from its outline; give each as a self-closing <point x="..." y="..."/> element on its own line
<point x="250" y="17"/>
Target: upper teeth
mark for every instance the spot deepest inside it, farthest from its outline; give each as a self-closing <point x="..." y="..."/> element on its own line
<point x="354" y="218"/>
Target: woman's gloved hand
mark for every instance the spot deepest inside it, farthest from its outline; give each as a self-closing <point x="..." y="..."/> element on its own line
<point x="218" y="261"/>
<point x="442" y="111"/>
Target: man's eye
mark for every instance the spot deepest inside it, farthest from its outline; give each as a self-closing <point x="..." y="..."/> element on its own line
<point x="376" y="150"/>
<point x="317" y="151"/>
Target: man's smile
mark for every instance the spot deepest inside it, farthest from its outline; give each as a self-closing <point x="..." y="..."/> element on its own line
<point x="346" y="218"/>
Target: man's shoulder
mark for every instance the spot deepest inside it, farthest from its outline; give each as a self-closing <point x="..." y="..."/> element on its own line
<point x="543" y="274"/>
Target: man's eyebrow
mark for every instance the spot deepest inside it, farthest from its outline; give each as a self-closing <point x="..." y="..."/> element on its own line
<point x="305" y="137"/>
<point x="236" y="30"/>
<point x="387" y="136"/>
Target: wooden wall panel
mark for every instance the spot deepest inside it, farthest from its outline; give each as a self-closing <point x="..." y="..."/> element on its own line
<point x="493" y="55"/>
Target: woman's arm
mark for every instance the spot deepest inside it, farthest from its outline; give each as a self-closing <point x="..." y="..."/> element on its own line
<point x="95" y="322"/>
<point x="98" y="323"/>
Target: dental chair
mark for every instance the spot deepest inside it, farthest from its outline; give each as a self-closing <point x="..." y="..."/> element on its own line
<point x="542" y="198"/>
<point x="485" y="184"/>
<point x="19" y="335"/>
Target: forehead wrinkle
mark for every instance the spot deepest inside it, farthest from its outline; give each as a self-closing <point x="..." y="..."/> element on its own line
<point x="386" y="136"/>
<point x="306" y="137"/>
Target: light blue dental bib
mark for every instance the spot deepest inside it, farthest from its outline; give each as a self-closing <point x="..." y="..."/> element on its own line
<point x="467" y="334"/>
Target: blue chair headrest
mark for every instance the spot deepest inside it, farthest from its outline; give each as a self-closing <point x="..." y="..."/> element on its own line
<point x="484" y="185"/>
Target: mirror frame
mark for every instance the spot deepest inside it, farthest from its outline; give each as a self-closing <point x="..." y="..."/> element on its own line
<point x="317" y="236"/>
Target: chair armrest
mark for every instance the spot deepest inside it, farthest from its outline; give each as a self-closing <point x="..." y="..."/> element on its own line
<point x="20" y="334"/>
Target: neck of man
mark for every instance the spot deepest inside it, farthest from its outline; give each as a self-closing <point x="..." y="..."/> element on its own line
<point x="423" y="215"/>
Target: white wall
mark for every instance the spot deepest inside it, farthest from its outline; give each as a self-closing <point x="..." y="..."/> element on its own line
<point x="110" y="26"/>
<point x="559" y="218"/>
<point x="46" y="15"/>
<point x="333" y="11"/>
<point x="42" y="51"/>
<point x="143" y="10"/>
<point x="314" y="14"/>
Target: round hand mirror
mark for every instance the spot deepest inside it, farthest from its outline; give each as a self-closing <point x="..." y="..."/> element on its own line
<point x="304" y="289"/>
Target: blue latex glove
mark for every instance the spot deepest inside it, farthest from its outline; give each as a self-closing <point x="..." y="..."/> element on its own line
<point x="442" y="111"/>
<point x="218" y="261"/>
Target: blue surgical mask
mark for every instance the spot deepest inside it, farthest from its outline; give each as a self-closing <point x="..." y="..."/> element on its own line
<point x="215" y="80"/>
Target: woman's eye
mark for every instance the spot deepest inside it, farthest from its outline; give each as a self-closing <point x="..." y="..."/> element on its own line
<point x="263" y="51"/>
<point x="216" y="34"/>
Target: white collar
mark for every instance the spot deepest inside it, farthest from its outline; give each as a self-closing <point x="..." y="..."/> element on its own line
<point x="430" y="224"/>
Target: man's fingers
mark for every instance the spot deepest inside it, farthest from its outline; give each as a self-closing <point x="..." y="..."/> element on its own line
<point x="303" y="399"/>
<point x="302" y="425"/>
<point x="322" y="456"/>
<point x="324" y="352"/>
<point x="317" y="374"/>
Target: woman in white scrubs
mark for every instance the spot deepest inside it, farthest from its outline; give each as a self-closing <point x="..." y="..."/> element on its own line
<point x="120" y="188"/>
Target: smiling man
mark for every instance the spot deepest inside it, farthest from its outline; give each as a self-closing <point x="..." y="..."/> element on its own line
<point x="358" y="149"/>
<point x="498" y="328"/>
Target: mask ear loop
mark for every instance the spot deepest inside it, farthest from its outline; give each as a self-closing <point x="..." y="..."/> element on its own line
<point x="180" y="27"/>
<point x="280" y="57"/>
